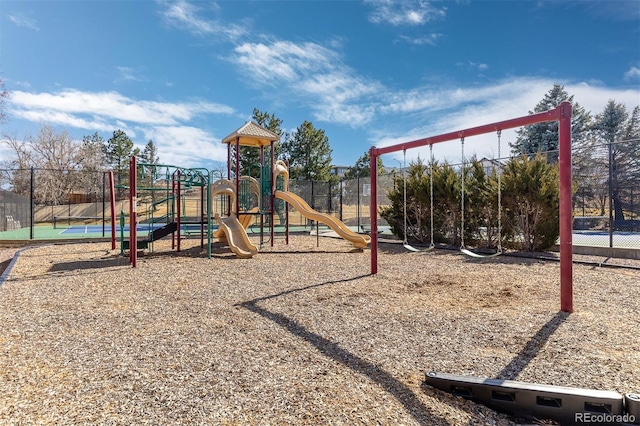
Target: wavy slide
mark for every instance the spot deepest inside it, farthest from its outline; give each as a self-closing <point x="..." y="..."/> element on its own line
<point x="237" y="238"/>
<point x="229" y="226"/>
<point x="358" y="240"/>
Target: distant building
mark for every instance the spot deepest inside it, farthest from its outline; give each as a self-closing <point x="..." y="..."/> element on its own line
<point x="339" y="170"/>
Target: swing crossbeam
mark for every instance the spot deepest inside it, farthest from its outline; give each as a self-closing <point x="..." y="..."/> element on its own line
<point x="562" y="114"/>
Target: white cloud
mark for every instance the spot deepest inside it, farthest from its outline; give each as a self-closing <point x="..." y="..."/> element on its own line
<point x="282" y="61"/>
<point x="168" y="124"/>
<point x="189" y="146"/>
<point x="397" y="13"/>
<point x="435" y="111"/>
<point x="128" y="74"/>
<point x="111" y="106"/>
<point x="632" y="74"/>
<point x="185" y="15"/>
<point x="310" y="73"/>
<point x="429" y="39"/>
<point x="22" y="20"/>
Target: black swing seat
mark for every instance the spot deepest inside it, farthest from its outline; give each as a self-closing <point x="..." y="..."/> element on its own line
<point x="470" y="253"/>
<point x="418" y="250"/>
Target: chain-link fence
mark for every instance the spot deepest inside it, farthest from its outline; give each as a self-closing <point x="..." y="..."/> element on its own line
<point x="607" y="194"/>
<point x="39" y="199"/>
<point x="606" y="199"/>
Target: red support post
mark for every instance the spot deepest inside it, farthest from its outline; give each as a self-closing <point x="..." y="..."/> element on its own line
<point x="133" y="213"/>
<point x="272" y="208"/>
<point x="237" y="206"/>
<point x="566" y="214"/>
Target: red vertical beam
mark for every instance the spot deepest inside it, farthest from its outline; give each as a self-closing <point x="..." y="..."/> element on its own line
<point x="133" y="213"/>
<point x="373" y="206"/>
<point x="566" y="214"/>
<point x="261" y="195"/>
<point x="237" y="206"/>
<point x="112" y="205"/>
<point x="272" y="209"/>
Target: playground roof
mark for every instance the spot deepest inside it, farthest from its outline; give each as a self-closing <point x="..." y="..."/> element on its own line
<point x="252" y="134"/>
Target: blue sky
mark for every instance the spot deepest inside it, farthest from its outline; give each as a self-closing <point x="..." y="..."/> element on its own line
<point x="188" y="73"/>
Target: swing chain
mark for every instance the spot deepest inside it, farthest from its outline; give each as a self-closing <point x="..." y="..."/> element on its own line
<point x="499" y="194"/>
<point x="404" y="174"/>
<point x="431" y="191"/>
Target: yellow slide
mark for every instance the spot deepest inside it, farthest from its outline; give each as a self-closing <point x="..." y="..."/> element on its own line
<point x="237" y="238"/>
<point x="358" y="240"/>
<point x="229" y="227"/>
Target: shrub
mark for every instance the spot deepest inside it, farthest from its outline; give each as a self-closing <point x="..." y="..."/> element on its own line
<point x="530" y="199"/>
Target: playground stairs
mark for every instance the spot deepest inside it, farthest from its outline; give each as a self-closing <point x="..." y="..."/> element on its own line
<point x="157" y="234"/>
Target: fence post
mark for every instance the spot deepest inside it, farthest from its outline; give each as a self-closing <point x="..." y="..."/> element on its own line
<point x="358" y="201"/>
<point x="610" y="195"/>
<point x="341" y="191"/>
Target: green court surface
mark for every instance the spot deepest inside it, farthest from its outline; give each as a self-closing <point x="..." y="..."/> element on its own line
<point x="90" y="232"/>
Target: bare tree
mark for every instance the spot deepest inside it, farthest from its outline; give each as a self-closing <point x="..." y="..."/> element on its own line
<point x="92" y="159"/>
<point x="54" y="156"/>
<point x="4" y="95"/>
<point x="16" y="169"/>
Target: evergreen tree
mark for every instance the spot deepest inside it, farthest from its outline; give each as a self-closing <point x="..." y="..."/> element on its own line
<point x="150" y="153"/>
<point x="543" y="137"/>
<point x="250" y="156"/>
<point x="118" y="151"/>
<point x="272" y="123"/>
<point x="149" y="156"/>
<point x="362" y="167"/>
<point x="620" y="132"/>
<point x="308" y="153"/>
<point x="530" y="202"/>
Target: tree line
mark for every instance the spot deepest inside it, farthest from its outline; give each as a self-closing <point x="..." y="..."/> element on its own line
<point x="606" y="161"/>
<point x="63" y="164"/>
<point x="606" y="153"/>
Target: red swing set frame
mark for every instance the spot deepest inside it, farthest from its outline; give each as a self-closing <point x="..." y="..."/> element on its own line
<point x="561" y="114"/>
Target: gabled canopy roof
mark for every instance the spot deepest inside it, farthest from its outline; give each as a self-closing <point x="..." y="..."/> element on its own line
<point x="251" y="134"/>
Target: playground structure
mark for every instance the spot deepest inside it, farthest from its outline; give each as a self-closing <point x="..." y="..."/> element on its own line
<point x="227" y="205"/>
<point x="562" y="114"/>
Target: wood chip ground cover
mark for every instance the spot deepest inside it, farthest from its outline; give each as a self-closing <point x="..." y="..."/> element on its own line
<point x="299" y="334"/>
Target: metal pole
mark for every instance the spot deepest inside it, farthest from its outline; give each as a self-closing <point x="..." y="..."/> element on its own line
<point x="373" y="209"/>
<point x="31" y="208"/>
<point x="104" y="206"/>
<point x="133" y="218"/>
<point x="112" y="205"/>
<point x="341" y="191"/>
<point x="358" y="200"/>
<point x="610" y="195"/>
<point x="566" y="216"/>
